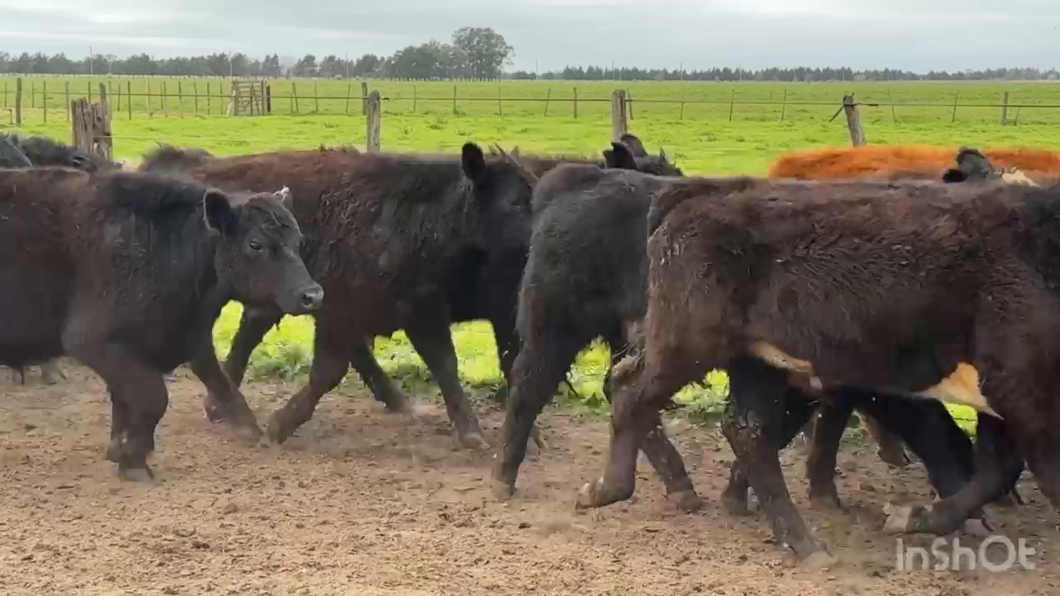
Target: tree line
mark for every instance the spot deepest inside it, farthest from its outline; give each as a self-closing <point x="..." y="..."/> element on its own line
<point x="477" y="53"/>
<point x="473" y="53"/>
<point x="799" y="74"/>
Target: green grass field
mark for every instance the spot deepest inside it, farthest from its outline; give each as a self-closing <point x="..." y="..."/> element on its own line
<point x="702" y="140"/>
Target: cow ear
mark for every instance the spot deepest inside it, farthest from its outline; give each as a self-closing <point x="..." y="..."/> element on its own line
<point x="633" y="142"/>
<point x="953" y="175"/>
<point x="218" y="212"/>
<point x="619" y="156"/>
<point x="473" y="162"/>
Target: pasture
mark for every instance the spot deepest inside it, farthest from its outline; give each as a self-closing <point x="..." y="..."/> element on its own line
<point x="360" y="502"/>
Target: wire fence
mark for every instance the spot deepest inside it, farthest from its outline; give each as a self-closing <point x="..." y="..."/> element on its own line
<point x="41" y="100"/>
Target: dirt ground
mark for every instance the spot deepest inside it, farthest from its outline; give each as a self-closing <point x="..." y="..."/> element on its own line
<point x="365" y="503"/>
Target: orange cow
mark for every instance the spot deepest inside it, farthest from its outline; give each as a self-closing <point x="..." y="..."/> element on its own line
<point x="905" y="161"/>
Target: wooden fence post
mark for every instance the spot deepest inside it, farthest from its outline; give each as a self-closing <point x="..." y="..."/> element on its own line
<point x="857" y="133"/>
<point x="66" y="93"/>
<point x="575" y="103"/>
<point x="956" y="96"/>
<point x="316" y="98"/>
<point x="784" y="105"/>
<point x="618" y="114"/>
<point x="364" y="98"/>
<point x="454" y="99"/>
<point x="374" y="116"/>
<point x="44" y="99"/>
<point x="18" y="101"/>
<point x="165" y="104"/>
<point x="629" y="103"/>
<point x="129" y="95"/>
<point x="732" y="102"/>
<point x="91" y="128"/>
<point x="208" y="96"/>
<point x="195" y="90"/>
<point x="268" y="99"/>
<point x="547" y="98"/>
<point x="102" y="93"/>
<point x="1004" y="109"/>
<point x="180" y="99"/>
<point x="148" y="98"/>
<point x="349" y="89"/>
<point x="294" y="96"/>
<point x="5" y="94"/>
<point x="32" y="95"/>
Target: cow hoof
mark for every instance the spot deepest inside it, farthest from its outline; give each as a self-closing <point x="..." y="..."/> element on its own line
<point x="735" y="504"/>
<point x="143" y="474"/>
<point x="819" y="560"/>
<point x="826" y="500"/>
<point x="214" y="412"/>
<point x="275" y="432"/>
<point x="686" y="501"/>
<point x="474" y="441"/>
<point x="978" y="527"/>
<point x="592" y="495"/>
<point x="502" y="491"/>
<point x="895" y="457"/>
<point x="113" y="453"/>
<point x="535" y="436"/>
<point x="899" y="519"/>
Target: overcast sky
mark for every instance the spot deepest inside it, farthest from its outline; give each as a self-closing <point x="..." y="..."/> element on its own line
<point x="548" y="34"/>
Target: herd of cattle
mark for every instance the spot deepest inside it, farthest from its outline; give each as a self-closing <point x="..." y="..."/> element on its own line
<point x="887" y="296"/>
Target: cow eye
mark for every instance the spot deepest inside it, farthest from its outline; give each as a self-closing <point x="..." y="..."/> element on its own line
<point x="254" y="245"/>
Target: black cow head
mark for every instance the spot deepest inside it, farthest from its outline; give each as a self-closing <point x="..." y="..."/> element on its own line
<point x="971" y="165"/>
<point x="170" y="158"/>
<point x="258" y="258"/>
<point x="44" y="152"/>
<point x="502" y="188"/>
<point x="631" y="155"/>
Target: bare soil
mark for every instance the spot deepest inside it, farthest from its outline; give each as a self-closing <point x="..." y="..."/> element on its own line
<point x="366" y="503"/>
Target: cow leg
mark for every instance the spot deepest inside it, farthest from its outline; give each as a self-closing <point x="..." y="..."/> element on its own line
<point x="998" y="464"/>
<point x="331" y="360"/>
<point x="507" y="349"/>
<point x="382" y="388"/>
<point x="538" y="370"/>
<point x="798" y="414"/>
<point x="253" y="325"/>
<point x="660" y="451"/>
<point x="832" y="418"/>
<point x="51" y="373"/>
<point x="431" y="337"/>
<point x="890" y="448"/>
<point x="929" y="431"/>
<point x="1042" y="447"/>
<point x="226" y="397"/>
<point x="119" y="426"/>
<point x="635" y="410"/>
<point x="756" y="407"/>
<point x="143" y="394"/>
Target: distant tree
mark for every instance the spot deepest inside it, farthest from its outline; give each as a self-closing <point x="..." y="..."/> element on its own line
<point x="366" y="65"/>
<point x="487" y="51"/>
<point x="330" y="66"/>
<point x="306" y="67"/>
<point x="270" y="66"/>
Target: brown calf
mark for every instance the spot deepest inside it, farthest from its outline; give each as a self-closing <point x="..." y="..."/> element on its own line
<point x="888" y="287"/>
